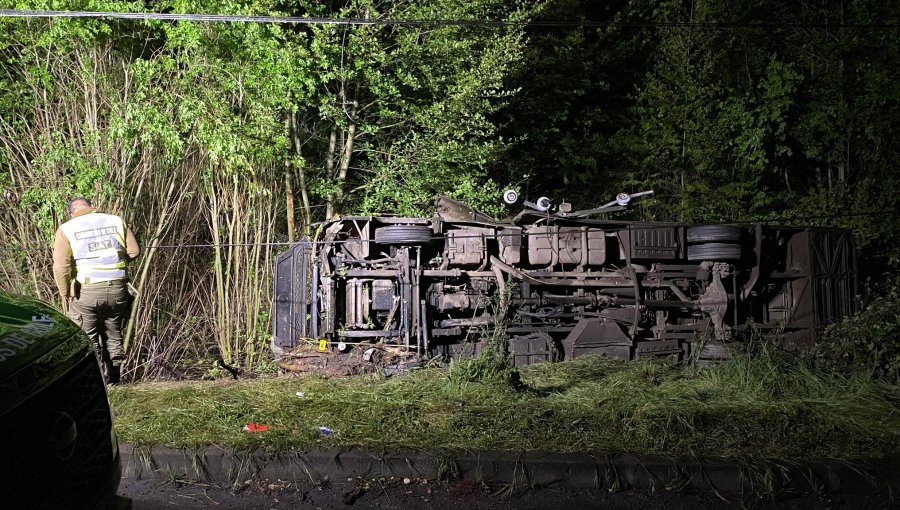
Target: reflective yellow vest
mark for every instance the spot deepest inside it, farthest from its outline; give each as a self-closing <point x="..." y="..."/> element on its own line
<point x="98" y="246"/>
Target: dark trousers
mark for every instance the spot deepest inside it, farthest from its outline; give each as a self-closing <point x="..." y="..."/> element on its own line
<point x="101" y="309"/>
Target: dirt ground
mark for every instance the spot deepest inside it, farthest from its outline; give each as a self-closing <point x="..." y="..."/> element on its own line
<point x="307" y="358"/>
<point x="409" y="494"/>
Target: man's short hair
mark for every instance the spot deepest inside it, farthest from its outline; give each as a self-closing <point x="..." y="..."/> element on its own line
<point x="77" y="201"/>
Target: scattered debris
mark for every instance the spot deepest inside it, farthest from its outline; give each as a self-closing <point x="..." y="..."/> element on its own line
<point x="353" y="360"/>
<point x="301" y="394"/>
<point x="400" y="369"/>
<point x="235" y="372"/>
<point x="255" y="427"/>
<point x="325" y="431"/>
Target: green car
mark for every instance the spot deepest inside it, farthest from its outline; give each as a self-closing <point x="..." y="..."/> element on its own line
<point x="57" y="446"/>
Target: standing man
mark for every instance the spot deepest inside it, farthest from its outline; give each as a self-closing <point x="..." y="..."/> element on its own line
<point x="95" y="295"/>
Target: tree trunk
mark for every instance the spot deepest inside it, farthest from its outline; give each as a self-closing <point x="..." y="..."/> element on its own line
<point x="329" y="167"/>
<point x="289" y="188"/>
<point x="301" y="174"/>
<point x="347" y="152"/>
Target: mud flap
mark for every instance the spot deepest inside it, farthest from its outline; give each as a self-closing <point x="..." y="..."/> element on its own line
<point x="532" y="348"/>
<point x="597" y="336"/>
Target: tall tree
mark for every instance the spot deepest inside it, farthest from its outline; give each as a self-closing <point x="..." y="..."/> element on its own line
<point x="410" y="107"/>
<point x="200" y="134"/>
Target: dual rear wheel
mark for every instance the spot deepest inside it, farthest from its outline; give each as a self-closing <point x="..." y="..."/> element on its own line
<point x="714" y="242"/>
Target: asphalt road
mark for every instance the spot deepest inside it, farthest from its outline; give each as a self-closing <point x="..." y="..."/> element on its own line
<point x="153" y="494"/>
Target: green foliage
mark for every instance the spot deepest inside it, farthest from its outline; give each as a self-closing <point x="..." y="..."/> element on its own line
<point x="185" y="125"/>
<point x="747" y="408"/>
<point x="494" y="364"/>
<point x="489" y="367"/>
<point x="180" y="125"/>
<point x="700" y="136"/>
<point x="734" y="124"/>
<point x="420" y="101"/>
<point x="868" y="343"/>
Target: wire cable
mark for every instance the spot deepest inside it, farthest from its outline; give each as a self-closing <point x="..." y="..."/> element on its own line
<point x="312" y="20"/>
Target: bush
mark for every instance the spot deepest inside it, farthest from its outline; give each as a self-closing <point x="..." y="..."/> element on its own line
<point x="867" y="343"/>
<point x="493" y="365"/>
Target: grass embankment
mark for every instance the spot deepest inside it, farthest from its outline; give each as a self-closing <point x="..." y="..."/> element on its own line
<point x="746" y="407"/>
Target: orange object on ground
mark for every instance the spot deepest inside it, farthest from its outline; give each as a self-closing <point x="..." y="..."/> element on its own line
<point x="255" y="427"/>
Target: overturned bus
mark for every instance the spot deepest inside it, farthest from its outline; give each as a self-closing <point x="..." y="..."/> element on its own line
<point x="559" y="283"/>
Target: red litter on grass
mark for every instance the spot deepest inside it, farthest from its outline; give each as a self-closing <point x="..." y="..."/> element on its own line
<point x="255" y="427"/>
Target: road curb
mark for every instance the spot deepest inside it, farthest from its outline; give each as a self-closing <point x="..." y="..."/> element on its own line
<point x="516" y="471"/>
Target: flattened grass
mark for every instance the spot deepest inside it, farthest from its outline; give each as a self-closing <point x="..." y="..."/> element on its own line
<point x="746" y="407"/>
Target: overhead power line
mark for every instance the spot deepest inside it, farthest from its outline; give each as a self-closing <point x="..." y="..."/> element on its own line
<point x="306" y="20"/>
